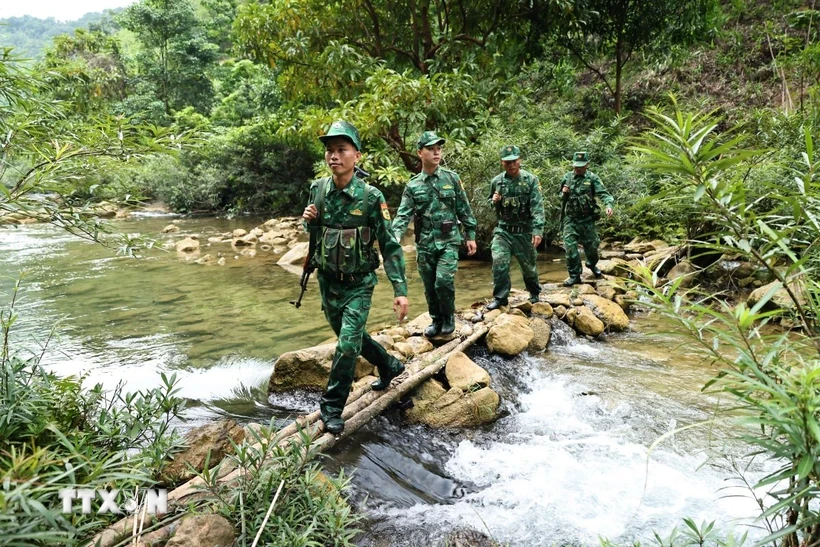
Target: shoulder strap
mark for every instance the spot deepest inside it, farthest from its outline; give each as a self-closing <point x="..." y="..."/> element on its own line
<point x="367" y="188"/>
<point x="321" y="190"/>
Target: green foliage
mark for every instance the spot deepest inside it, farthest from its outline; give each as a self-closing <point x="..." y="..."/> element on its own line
<point x="773" y="377"/>
<point x="30" y="36"/>
<point x="175" y="54"/>
<point x="56" y="434"/>
<point x="281" y="498"/>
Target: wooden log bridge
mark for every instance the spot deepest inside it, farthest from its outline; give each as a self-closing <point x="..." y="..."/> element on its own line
<point x="363" y="405"/>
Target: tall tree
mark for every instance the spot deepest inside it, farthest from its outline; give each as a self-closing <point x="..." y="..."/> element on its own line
<point x="395" y="66"/>
<point x="599" y="30"/>
<point x="175" y="55"/>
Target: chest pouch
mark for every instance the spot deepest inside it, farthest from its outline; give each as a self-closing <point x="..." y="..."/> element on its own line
<point x="348" y="250"/>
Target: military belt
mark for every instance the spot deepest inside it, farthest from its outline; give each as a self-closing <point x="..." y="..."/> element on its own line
<point x="343" y="277"/>
<point x="516" y="229"/>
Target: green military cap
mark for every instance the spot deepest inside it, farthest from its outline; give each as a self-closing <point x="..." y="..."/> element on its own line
<point x="580" y="159"/>
<point x="341" y="128"/>
<point x="429" y="138"/>
<point x="510" y="152"/>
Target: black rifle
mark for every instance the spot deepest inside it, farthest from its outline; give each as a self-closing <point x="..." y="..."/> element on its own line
<point x="308" y="268"/>
<point x="564" y="200"/>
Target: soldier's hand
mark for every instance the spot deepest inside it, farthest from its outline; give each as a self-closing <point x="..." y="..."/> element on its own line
<point x="496" y="197"/>
<point x="471" y="248"/>
<point x="565" y="189"/>
<point x="310" y="212"/>
<point x="400" y="306"/>
<point x="536" y="241"/>
<point x="609" y="211"/>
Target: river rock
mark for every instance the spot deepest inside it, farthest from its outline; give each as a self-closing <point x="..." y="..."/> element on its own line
<point x="272" y="223"/>
<point x="610" y="313"/>
<point x="170" y="229"/>
<point x="557" y="299"/>
<point x="541" y="335"/>
<point x="780" y="299"/>
<point x="584" y="321"/>
<point x="542" y="309"/>
<point x="494" y="314"/>
<point x="686" y="270"/>
<point x="207" y="530"/>
<point x="637" y="246"/>
<point x="247" y="240"/>
<point x="207" y="259"/>
<point x="606" y="255"/>
<point x="437" y="407"/>
<point x="214" y="438"/>
<point x="239" y="232"/>
<point x="257" y="232"/>
<point x="309" y="368"/>
<point x="509" y="335"/>
<point x="187" y="245"/>
<point x="469" y="538"/>
<point x="463" y="373"/>
<point x="296" y="255"/>
<point x="419" y="344"/>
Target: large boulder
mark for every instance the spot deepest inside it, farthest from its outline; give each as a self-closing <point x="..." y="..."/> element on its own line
<point x="557" y="299"/>
<point x="208" y="530"/>
<point x="463" y="373"/>
<point x="541" y="335"/>
<point x="610" y="313"/>
<point x="309" y="368"/>
<point x="543" y="309"/>
<point x="780" y="299"/>
<point x="584" y="321"/>
<point x="509" y="335"/>
<point x="214" y="438"/>
<point x="437" y="407"/>
<point x="296" y="255"/>
<point x="686" y="270"/>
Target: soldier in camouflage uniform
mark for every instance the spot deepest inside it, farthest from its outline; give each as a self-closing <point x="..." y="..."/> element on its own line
<point x="516" y="196"/>
<point x="437" y="198"/>
<point x="346" y="216"/>
<point x="579" y="188"/>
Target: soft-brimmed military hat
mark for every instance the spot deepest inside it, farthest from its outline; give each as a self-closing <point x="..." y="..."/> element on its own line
<point x="580" y="159"/>
<point x="510" y="152"/>
<point x="429" y="138"/>
<point x="341" y="128"/>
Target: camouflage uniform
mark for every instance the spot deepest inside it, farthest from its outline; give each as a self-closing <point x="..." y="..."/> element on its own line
<point x="346" y="259"/>
<point x="581" y="213"/>
<point x="440" y="203"/>
<point x="520" y="216"/>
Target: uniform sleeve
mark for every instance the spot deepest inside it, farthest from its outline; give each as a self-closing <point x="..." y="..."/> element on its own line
<point x="404" y="213"/>
<point x="464" y="211"/>
<point x="492" y="191"/>
<point x="564" y="182"/>
<point x="601" y="192"/>
<point x="537" y="207"/>
<point x="389" y="246"/>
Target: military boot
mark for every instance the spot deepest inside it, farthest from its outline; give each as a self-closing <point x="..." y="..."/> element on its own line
<point x="390" y="372"/>
<point x="334" y="425"/>
<point x="596" y="271"/>
<point x="448" y="325"/>
<point x="570" y="281"/>
<point x="497" y="303"/>
<point x="433" y="329"/>
<point x="534" y="298"/>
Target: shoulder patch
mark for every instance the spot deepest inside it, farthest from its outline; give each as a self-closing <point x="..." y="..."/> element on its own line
<point x="385" y="211"/>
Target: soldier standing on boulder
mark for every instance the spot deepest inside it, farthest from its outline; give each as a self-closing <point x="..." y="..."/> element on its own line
<point x="516" y="196"/>
<point x="437" y="199"/>
<point x="346" y="216"/>
<point x="579" y="188"/>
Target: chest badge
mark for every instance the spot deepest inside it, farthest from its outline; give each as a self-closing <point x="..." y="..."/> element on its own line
<point x="356" y="212"/>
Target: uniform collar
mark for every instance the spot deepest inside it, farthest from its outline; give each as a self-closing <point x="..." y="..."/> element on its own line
<point x="436" y="173"/>
<point x="349" y="190"/>
<point x="511" y="179"/>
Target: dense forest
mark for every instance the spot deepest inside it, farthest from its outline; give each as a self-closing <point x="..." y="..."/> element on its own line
<point x="31" y="37"/>
<point x="700" y="116"/>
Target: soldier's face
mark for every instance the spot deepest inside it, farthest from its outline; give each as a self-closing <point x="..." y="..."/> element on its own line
<point x="341" y="156"/>
<point x="430" y="156"/>
<point x="580" y="170"/>
<point x="512" y="167"/>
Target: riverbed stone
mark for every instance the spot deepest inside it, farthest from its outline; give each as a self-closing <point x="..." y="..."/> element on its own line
<point x="584" y="321"/>
<point x="207" y="259"/>
<point x="239" y="232"/>
<point x="419" y="344"/>
<point x="557" y="299"/>
<point x="494" y="314"/>
<point x="207" y="530"/>
<point x="170" y="229"/>
<point x="187" y="245"/>
<point x="214" y="438"/>
<point x="638" y="246"/>
<point x="296" y="255"/>
<point x="509" y="335"/>
<point x="543" y="309"/>
<point x="437" y="407"/>
<point x="309" y="368"/>
<point x="541" y="335"/>
<point x="610" y="313"/>
<point x="463" y="373"/>
<point x="780" y="300"/>
<point x="686" y="270"/>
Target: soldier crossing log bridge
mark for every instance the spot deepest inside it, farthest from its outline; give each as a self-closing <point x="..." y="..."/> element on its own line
<point x="362" y="406"/>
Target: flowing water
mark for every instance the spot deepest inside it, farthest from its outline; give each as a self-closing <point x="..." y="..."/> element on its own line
<point x="572" y="458"/>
